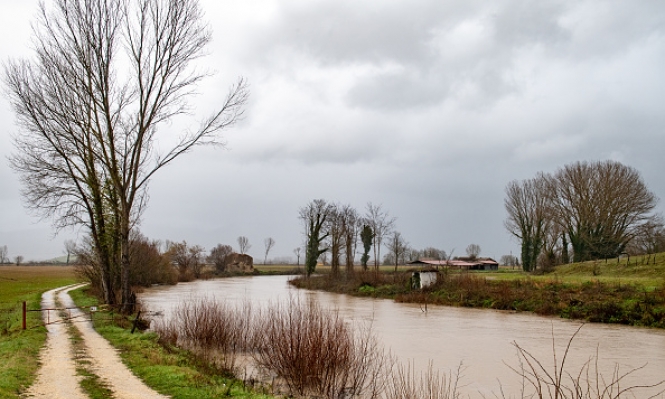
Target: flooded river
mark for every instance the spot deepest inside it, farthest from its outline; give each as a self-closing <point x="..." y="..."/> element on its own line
<point x="480" y="340"/>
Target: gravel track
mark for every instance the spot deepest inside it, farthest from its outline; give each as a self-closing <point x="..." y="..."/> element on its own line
<point x="57" y="377"/>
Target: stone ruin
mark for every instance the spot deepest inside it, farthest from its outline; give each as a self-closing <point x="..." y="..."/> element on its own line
<point x="239" y="263"/>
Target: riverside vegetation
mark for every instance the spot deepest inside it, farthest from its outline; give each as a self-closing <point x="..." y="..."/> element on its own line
<point x="297" y="349"/>
<point x="625" y="291"/>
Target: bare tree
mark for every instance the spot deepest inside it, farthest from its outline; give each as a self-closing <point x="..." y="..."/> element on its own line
<point x="296" y="252"/>
<point x="269" y="243"/>
<point x="18" y="259"/>
<point x="336" y="235"/>
<point x="528" y="217"/>
<point x="105" y="77"/>
<point x="315" y="218"/>
<point x="4" y="257"/>
<point x="243" y="244"/>
<point x="433" y="253"/>
<point x="218" y="256"/>
<point x="350" y="221"/>
<point x="649" y="238"/>
<point x="149" y="265"/>
<point x="381" y="224"/>
<point x="397" y="247"/>
<point x="70" y="249"/>
<point x="508" y="260"/>
<point x="197" y="260"/>
<point x="473" y="250"/>
<point x="179" y="254"/>
<point x="601" y="206"/>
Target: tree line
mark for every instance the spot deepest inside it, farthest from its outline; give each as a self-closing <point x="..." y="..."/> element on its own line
<point x="583" y="211"/>
<point x="169" y="262"/>
<point x="337" y="232"/>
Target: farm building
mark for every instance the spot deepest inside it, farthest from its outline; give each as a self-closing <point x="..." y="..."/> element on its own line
<point x="459" y="263"/>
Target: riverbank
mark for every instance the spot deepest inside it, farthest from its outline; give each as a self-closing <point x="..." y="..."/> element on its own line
<point x="167" y="369"/>
<point x="606" y="292"/>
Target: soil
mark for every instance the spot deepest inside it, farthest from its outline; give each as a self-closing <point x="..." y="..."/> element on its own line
<point x="57" y="377"/>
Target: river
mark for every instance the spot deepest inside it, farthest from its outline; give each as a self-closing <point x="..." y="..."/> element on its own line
<point x="480" y="340"/>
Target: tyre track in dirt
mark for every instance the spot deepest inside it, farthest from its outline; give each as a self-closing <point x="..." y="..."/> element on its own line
<point x="106" y="362"/>
<point x="57" y="377"/>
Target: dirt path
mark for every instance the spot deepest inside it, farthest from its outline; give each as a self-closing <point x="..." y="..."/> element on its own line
<point x="57" y="378"/>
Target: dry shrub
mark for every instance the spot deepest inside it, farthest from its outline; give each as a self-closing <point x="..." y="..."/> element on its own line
<point x="406" y="384"/>
<point x="316" y="353"/>
<point x="215" y="331"/>
<point x="558" y="382"/>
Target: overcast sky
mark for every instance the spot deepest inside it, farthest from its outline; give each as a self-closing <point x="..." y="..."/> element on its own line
<point x="427" y="107"/>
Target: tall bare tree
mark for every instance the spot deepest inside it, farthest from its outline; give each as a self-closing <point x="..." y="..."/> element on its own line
<point x="381" y="224"/>
<point x="336" y="235"/>
<point x="70" y="249"/>
<point x="269" y="243"/>
<point x="528" y="216"/>
<point x="106" y="76"/>
<point x="243" y="244"/>
<point x="315" y="219"/>
<point x="473" y="250"/>
<point x="4" y="254"/>
<point x="397" y="247"/>
<point x="296" y="252"/>
<point x="601" y="206"/>
<point x="350" y="221"/>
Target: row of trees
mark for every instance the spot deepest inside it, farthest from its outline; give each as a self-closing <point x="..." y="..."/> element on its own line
<point x="583" y="211"/>
<point x="154" y="262"/>
<point x="335" y="230"/>
<point x="106" y="76"/>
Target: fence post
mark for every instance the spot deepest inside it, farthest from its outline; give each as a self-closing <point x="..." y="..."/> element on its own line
<point x="25" y="310"/>
<point x="135" y="321"/>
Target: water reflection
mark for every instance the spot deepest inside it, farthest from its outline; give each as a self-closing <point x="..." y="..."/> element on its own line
<point x="481" y="339"/>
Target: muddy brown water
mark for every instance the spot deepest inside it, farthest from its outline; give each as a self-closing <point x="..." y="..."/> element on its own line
<point x="480" y="340"/>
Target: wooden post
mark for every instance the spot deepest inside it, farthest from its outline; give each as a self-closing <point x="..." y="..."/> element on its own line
<point x="135" y="321"/>
<point x="25" y="311"/>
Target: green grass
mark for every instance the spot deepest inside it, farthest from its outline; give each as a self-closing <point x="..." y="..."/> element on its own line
<point x="169" y="371"/>
<point x="19" y="349"/>
<point x="621" y="271"/>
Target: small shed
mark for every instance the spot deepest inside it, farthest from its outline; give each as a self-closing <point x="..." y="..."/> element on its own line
<point x="423" y="278"/>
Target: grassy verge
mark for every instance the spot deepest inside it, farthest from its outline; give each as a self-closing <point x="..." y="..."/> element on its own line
<point x="170" y="371"/>
<point x="19" y="349"/>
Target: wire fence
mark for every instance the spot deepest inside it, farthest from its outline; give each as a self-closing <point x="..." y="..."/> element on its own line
<point x="18" y="312"/>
